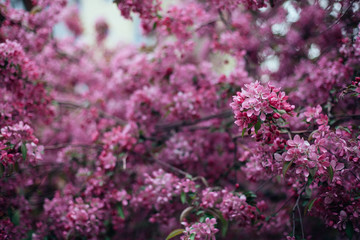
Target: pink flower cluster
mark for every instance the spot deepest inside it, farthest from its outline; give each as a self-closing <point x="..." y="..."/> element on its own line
<point x="233" y="4"/>
<point x="116" y="142"/>
<point x="233" y="206"/>
<point x="146" y="9"/>
<point x="18" y="143"/>
<point x="205" y="230"/>
<point x="256" y="101"/>
<point x="71" y="218"/>
<point x="23" y="96"/>
<point x="314" y="114"/>
<point x="160" y="189"/>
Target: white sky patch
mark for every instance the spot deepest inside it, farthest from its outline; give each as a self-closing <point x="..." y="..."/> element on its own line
<point x="355" y="7"/>
<point x="271" y="63"/>
<point x="324" y="3"/>
<point x="336" y="10"/>
<point x="120" y="29"/>
<point x="293" y="15"/>
<point x="280" y="28"/>
<point x="314" y="51"/>
<point x="264" y="78"/>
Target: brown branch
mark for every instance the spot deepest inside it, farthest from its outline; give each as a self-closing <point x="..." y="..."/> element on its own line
<point x="65" y="145"/>
<point x="342" y="119"/>
<point x="179" y="124"/>
<point x="205" y="24"/>
<point x="171" y="167"/>
<point x="101" y="113"/>
<point x="222" y="18"/>
<point x="293" y="132"/>
<point x="71" y="105"/>
<point x="263" y="184"/>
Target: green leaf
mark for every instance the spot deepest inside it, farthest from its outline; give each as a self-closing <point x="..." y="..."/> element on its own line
<point x="286" y="167"/>
<point x="154" y="26"/>
<point x="29" y="235"/>
<point x="310" y="205"/>
<point x="175" y="233"/>
<point x="275" y="110"/>
<point x="16" y="167"/>
<point x="250" y="197"/>
<point x="243" y="132"/>
<point x="199" y="212"/>
<point x="121" y="211"/>
<point x="349" y="230"/>
<point x="257" y="126"/>
<point x="347" y="129"/>
<point x="192" y="195"/>
<point x="2" y="170"/>
<point x="192" y="236"/>
<point x="183" y="197"/>
<point x="331" y="172"/>
<point x="23" y="151"/>
<point x="311" y="177"/>
<point x="224" y="225"/>
<point x="15" y="218"/>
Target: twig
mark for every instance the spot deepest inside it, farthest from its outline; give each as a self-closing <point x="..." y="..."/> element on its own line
<point x="339" y="18"/>
<point x="287" y="132"/>
<point x="222" y="18"/>
<point x="263" y="184"/>
<point x="71" y="104"/>
<point x="294" y="209"/>
<point x="171" y="167"/>
<point x="355" y="175"/>
<point x="345" y="119"/>
<point x="86" y="106"/>
<point x="205" y="24"/>
<point x="203" y="180"/>
<point x="301" y="223"/>
<point x="282" y="206"/>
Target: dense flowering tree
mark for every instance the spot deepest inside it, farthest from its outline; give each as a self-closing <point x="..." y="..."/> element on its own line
<point x="240" y="121"/>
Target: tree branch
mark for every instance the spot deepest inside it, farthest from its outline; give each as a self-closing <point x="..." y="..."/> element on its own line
<point x="65" y="145"/>
<point x="339" y="18"/>
<point x="179" y="124"/>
